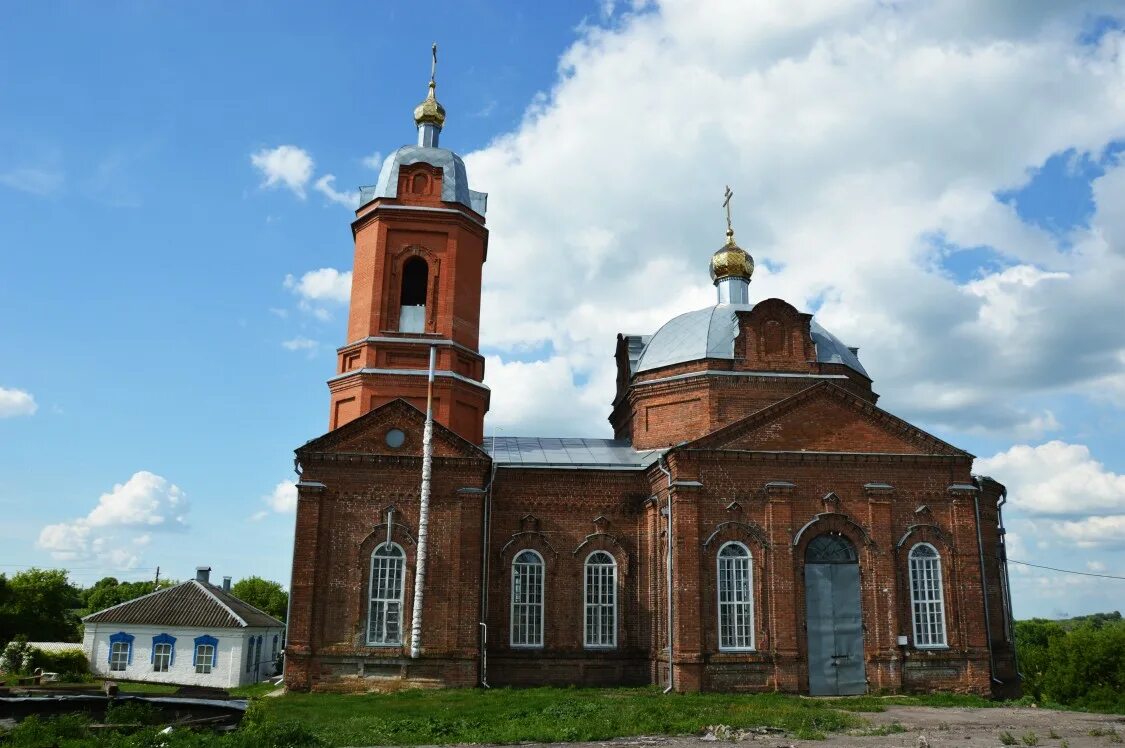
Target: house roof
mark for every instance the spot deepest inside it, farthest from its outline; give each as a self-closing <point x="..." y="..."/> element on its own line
<point x="192" y="603"/>
<point x="539" y="451"/>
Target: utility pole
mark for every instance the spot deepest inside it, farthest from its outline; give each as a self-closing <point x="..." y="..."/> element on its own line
<point x="156" y="584"/>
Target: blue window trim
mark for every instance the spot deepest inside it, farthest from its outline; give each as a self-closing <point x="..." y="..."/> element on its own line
<point x="205" y="639"/>
<point x="163" y="639"/>
<point x="121" y="636"/>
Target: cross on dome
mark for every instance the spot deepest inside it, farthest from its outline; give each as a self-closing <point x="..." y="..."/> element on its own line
<point x="731" y="266"/>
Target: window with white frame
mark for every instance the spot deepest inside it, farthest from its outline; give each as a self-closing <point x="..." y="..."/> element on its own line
<point x="384" y="616"/>
<point x="601" y="600"/>
<point x="118" y="655"/>
<point x="926" y="596"/>
<point x="736" y="602"/>
<point x="204" y="658"/>
<point x="527" y="600"/>
<point x="161" y="657"/>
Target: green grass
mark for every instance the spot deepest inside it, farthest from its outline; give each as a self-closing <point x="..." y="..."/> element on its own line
<point x="503" y="715"/>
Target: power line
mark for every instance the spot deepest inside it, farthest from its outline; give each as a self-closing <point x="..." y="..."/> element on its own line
<point x="1065" y="571"/>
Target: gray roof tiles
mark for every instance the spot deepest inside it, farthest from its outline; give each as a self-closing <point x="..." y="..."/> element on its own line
<point x="192" y="604"/>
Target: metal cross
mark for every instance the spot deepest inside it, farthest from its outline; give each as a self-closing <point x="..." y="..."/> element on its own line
<point x="726" y="204"/>
<point x="433" y="65"/>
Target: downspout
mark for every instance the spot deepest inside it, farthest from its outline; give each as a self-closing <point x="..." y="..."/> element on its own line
<point x="288" y="600"/>
<point x="984" y="590"/>
<point x="423" y="515"/>
<point x="1008" y="581"/>
<point x="486" y="549"/>
<point x="671" y="609"/>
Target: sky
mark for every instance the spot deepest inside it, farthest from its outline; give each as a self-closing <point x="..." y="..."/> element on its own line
<point x="941" y="183"/>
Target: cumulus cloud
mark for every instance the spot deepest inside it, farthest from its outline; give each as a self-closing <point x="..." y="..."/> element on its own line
<point x="15" y="402"/>
<point x="282" y="500"/>
<point x="122" y="517"/>
<point x="299" y="343"/>
<point x="325" y="284"/>
<point x="284" y="166"/>
<point x="374" y="161"/>
<point x="854" y="135"/>
<point x="326" y="186"/>
<point x="1056" y="478"/>
<point x="1095" y="532"/>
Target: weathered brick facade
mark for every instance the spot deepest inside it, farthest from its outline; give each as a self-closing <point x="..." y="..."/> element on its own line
<point x="770" y="447"/>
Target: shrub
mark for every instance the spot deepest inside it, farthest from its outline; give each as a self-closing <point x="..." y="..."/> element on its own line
<point x="69" y="662"/>
<point x="16" y="657"/>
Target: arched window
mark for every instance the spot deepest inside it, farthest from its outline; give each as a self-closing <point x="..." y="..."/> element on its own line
<point x="736" y="602"/>
<point x="601" y="600"/>
<point x="527" y="600"/>
<point x="926" y="596"/>
<point x="384" y="616"/>
<point x="412" y="312"/>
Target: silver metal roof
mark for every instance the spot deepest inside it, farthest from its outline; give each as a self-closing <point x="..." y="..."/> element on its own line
<point x="537" y="451"/>
<point x="454" y="182"/>
<point x="636" y="346"/>
<point x="710" y="333"/>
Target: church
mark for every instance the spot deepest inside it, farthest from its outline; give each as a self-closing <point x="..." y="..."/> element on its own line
<point x="756" y="523"/>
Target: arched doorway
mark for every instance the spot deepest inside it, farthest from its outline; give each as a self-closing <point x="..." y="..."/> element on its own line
<point x="835" y="621"/>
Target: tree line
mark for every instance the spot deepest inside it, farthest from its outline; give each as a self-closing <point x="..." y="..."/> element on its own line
<point x="43" y="605"/>
<point x="1077" y="662"/>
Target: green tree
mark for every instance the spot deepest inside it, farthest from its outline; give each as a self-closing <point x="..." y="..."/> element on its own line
<point x="108" y="591"/>
<point x="40" y="604"/>
<point x="262" y="594"/>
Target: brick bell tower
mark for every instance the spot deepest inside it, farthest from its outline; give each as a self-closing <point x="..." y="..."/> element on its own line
<point x="420" y="247"/>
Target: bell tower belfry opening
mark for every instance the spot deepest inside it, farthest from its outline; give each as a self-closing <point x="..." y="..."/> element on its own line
<point x="420" y="247"/>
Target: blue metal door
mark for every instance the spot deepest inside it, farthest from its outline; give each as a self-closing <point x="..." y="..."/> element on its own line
<point x="834" y="618"/>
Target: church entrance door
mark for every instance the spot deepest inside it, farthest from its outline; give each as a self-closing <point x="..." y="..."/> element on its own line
<point x="835" y="622"/>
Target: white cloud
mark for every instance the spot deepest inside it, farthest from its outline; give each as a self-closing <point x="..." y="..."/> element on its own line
<point x="374" y="161"/>
<point x="284" y="166"/>
<point x="282" y="500"/>
<point x="551" y="381"/>
<point x="34" y="180"/>
<point x="124" y="516"/>
<point x="1095" y="532"/>
<point x="853" y="134"/>
<point x="301" y="343"/>
<point x="324" y="186"/>
<point x="1056" y="478"/>
<point x="1096" y="566"/>
<point x="15" y="402"/>
<point x="325" y="284"/>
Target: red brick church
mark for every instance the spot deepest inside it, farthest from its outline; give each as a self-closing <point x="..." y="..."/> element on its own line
<point x="757" y="523"/>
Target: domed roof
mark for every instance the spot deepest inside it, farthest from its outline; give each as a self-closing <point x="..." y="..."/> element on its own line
<point x="454" y="180"/>
<point x="430" y="110"/>
<point x="710" y="333"/>
<point x="731" y="261"/>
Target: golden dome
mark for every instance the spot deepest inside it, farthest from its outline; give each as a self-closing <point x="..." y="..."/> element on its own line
<point x="430" y="111"/>
<point x="731" y="261"/>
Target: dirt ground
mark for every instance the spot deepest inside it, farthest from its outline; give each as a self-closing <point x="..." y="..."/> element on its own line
<point x="925" y="726"/>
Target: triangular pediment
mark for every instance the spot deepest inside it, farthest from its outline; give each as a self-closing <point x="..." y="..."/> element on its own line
<point x="825" y="418"/>
<point x="371" y="434"/>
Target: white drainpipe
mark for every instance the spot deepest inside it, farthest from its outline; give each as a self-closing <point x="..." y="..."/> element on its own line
<point x="423" y="516"/>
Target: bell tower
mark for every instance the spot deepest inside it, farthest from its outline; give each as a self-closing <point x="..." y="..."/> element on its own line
<point x="420" y="247"/>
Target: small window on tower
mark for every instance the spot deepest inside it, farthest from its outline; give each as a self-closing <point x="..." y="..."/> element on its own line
<point x="415" y="276"/>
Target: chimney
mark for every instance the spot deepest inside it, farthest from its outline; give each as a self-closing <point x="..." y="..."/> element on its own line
<point x="226" y="584"/>
<point x="203" y="574"/>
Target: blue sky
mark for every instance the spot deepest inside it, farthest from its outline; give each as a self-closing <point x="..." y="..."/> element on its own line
<point x="940" y="185"/>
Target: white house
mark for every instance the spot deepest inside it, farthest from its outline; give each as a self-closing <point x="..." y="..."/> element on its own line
<point x="192" y="634"/>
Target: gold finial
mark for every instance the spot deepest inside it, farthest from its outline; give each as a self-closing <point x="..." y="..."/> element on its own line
<point x="730" y="261"/>
<point x="726" y="204"/>
<point x="430" y="111"/>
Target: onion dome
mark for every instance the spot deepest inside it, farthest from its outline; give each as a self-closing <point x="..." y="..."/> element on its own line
<point x="430" y="112"/>
<point x="731" y="261"/>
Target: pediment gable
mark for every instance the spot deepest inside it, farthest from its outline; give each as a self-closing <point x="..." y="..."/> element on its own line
<point x="368" y="435"/>
<point x="825" y="418"/>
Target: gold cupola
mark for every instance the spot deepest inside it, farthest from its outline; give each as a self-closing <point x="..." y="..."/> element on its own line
<point x="429" y="116"/>
<point x="731" y="266"/>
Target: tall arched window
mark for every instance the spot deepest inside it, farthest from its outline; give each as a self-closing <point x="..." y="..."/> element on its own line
<point x="527" y="600"/>
<point x="736" y="602"/>
<point x="412" y="299"/>
<point x="601" y="600"/>
<point x="926" y="596"/>
<point x="384" y="617"/>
